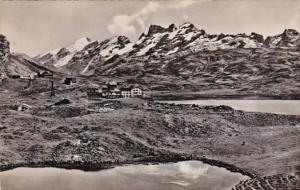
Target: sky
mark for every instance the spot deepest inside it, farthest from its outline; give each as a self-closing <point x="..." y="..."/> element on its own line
<point x="35" y="27"/>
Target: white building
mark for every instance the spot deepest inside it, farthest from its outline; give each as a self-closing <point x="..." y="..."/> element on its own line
<point x="126" y="92"/>
<point x="133" y="92"/>
<point x="136" y="92"/>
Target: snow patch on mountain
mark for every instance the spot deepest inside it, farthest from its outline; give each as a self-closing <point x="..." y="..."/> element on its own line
<point x="148" y="43"/>
<point x="73" y="49"/>
<point x="79" y="44"/>
<point x="86" y="70"/>
<point x="64" y="61"/>
<point x="172" y="51"/>
<point x="115" y="46"/>
<point x="127" y="48"/>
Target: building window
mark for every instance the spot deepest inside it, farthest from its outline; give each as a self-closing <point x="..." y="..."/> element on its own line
<point x="136" y="91"/>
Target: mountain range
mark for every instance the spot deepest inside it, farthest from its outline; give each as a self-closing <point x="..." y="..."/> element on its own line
<point x="178" y="57"/>
<point x="85" y="56"/>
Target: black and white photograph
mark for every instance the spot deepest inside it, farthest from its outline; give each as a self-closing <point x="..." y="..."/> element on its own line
<point x="150" y="95"/>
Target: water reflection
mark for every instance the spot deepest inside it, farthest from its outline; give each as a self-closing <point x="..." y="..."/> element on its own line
<point x="177" y="176"/>
<point x="289" y="107"/>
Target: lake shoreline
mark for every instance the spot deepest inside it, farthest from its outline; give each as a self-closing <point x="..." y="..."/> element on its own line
<point x="192" y="173"/>
<point x="283" y="107"/>
<point x="187" y="95"/>
<point x="89" y="167"/>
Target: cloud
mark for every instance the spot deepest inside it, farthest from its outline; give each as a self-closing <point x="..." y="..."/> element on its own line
<point x="181" y="4"/>
<point x="151" y="7"/>
<point x="128" y="24"/>
<point x="122" y="23"/>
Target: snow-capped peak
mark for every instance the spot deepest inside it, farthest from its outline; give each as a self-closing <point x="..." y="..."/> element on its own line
<point x="79" y="44"/>
<point x="61" y="56"/>
<point x="165" y="41"/>
<point x="116" y="40"/>
<point x="187" y="25"/>
<point x="116" y="45"/>
<point x="288" y="38"/>
<point x="70" y="51"/>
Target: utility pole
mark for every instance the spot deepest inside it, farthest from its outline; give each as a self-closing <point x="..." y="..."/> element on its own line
<point x="52" y="93"/>
<point x="29" y="82"/>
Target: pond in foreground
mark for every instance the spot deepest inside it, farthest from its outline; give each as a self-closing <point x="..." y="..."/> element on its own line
<point x="289" y="107"/>
<point x="182" y="175"/>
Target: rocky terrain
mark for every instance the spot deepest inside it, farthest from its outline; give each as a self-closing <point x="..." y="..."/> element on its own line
<point x="90" y="135"/>
<point x="4" y="48"/>
<point x="281" y="182"/>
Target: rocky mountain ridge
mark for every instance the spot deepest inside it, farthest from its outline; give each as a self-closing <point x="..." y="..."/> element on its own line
<point x="289" y="38"/>
<point x="4" y="48"/>
<point x="158" y="43"/>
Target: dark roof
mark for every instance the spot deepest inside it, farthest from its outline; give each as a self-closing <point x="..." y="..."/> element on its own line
<point x="125" y="89"/>
<point x="62" y="102"/>
<point x="92" y="88"/>
<point x="136" y="87"/>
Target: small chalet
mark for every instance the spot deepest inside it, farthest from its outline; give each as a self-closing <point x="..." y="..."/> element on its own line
<point x="15" y="76"/>
<point x="126" y="92"/>
<point x="45" y="74"/>
<point x="28" y="77"/>
<point x="70" y="80"/>
<point x="132" y="92"/>
<point x="94" y="93"/>
<point x="111" y="90"/>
